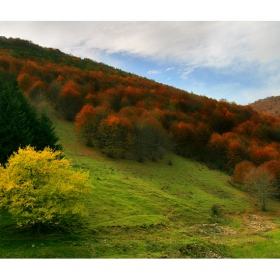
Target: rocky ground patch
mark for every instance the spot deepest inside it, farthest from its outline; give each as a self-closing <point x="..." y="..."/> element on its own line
<point x="257" y="223"/>
<point x="212" y="229"/>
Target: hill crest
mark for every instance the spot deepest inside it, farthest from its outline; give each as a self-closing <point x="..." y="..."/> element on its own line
<point x="269" y="105"/>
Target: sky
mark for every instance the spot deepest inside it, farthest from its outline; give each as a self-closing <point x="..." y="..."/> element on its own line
<point x="223" y="59"/>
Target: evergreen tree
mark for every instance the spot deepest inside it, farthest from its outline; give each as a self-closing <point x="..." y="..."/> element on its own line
<point x="19" y="125"/>
<point x="45" y="135"/>
<point x="15" y="116"/>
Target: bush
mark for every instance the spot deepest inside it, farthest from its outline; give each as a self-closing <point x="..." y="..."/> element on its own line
<point x="216" y="210"/>
<point x="41" y="190"/>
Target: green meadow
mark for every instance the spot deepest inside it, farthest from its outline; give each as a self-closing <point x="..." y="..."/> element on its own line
<point x="152" y="210"/>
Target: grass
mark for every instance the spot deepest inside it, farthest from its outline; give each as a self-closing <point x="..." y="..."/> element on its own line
<point x="151" y="210"/>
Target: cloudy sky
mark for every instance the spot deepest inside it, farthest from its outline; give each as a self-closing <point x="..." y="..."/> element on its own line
<point x="235" y="60"/>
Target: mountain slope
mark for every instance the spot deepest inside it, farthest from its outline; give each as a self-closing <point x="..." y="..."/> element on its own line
<point x="152" y="210"/>
<point x="127" y="116"/>
<point x="269" y="105"/>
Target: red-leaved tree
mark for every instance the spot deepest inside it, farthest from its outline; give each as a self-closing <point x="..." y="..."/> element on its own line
<point x="70" y="101"/>
<point x="241" y="170"/>
<point x="87" y="123"/>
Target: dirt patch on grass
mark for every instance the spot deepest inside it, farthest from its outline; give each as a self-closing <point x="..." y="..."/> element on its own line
<point x="195" y="250"/>
<point x="212" y="229"/>
<point x="253" y="223"/>
<point x="256" y="223"/>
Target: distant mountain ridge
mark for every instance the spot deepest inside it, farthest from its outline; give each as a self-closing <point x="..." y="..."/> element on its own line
<point x="269" y="105"/>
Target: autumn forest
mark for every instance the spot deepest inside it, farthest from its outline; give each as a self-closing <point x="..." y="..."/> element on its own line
<point x="127" y="116"/>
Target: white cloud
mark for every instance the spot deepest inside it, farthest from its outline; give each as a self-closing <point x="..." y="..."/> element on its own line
<point x="247" y="49"/>
<point x="204" y="44"/>
<point x="154" y="72"/>
<point x="211" y="44"/>
<point x="186" y="73"/>
<point x="128" y="10"/>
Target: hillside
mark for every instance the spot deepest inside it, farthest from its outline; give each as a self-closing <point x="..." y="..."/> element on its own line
<point x="269" y="105"/>
<point x="153" y="210"/>
<point x="127" y="116"/>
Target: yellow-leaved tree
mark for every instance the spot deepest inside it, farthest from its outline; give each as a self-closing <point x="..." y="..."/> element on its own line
<point x="41" y="190"/>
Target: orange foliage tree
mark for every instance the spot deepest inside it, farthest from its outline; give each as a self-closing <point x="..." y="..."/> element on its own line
<point x="87" y="123"/>
<point x="241" y="170"/>
<point x="274" y="167"/>
<point x="184" y="136"/>
<point x="37" y="93"/>
<point x="259" y="153"/>
<point x="261" y="183"/>
<point x="246" y="128"/>
<point x="217" y="146"/>
<point x="116" y="136"/>
<point x="70" y="101"/>
<point x="236" y="152"/>
<point x="24" y="81"/>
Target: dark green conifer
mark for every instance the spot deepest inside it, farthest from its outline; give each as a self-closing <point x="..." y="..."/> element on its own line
<point x="45" y="134"/>
<point x="19" y="125"/>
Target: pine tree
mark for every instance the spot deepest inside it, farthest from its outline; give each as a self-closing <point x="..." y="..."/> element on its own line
<point x="45" y="135"/>
<point x="19" y="124"/>
<point x="15" y="129"/>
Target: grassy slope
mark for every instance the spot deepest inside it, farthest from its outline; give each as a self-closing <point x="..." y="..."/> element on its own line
<point x="152" y="210"/>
